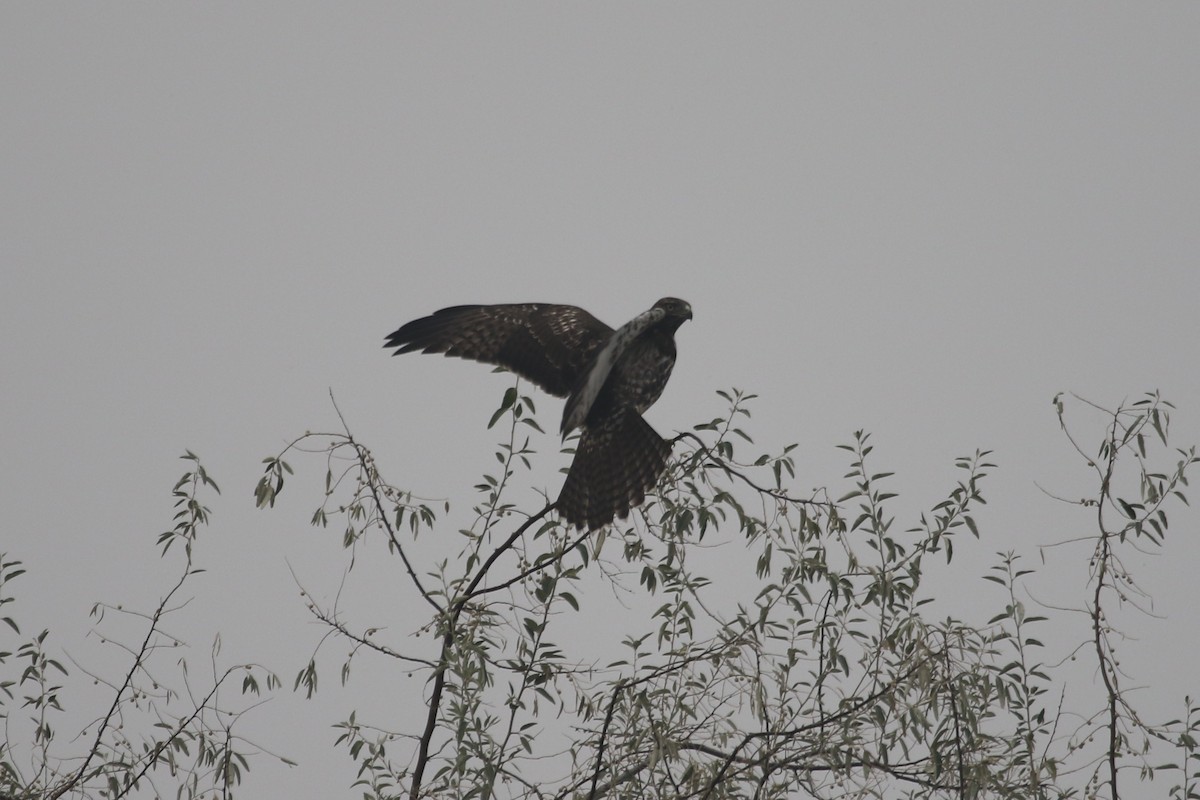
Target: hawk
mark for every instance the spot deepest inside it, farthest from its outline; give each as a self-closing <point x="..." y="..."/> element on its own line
<point x="609" y="377"/>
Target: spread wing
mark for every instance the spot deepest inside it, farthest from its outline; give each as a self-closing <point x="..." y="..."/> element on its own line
<point x="550" y="345"/>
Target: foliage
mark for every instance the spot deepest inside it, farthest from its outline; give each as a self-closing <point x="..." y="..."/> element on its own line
<point x="743" y="640"/>
<point x="157" y="726"/>
<point x="735" y="638"/>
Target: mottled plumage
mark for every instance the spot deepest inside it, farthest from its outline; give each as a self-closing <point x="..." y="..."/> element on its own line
<point x="608" y="377"/>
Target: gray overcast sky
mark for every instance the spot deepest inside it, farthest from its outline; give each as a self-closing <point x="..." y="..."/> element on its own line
<point x="920" y="219"/>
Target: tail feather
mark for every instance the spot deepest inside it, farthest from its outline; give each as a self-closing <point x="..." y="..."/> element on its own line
<point x="616" y="463"/>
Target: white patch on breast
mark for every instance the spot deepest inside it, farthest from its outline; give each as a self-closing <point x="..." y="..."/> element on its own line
<point x="580" y="402"/>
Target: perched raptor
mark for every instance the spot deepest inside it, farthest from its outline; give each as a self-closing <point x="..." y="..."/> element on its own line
<point x="609" y="377"/>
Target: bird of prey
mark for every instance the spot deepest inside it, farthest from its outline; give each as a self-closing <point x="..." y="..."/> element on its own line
<point x="609" y="377"/>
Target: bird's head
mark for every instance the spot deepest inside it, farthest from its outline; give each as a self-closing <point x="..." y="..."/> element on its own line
<point x="677" y="311"/>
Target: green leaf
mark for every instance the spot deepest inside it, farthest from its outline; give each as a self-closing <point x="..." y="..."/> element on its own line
<point x="510" y="397"/>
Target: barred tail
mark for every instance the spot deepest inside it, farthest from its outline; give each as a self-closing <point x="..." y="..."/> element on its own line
<point x="616" y="462"/>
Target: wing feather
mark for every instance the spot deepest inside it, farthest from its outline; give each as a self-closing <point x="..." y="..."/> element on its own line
<point x="548" y="344"/>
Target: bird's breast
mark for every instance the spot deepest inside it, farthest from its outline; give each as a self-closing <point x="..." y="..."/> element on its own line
<point x="639" y="379"/>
